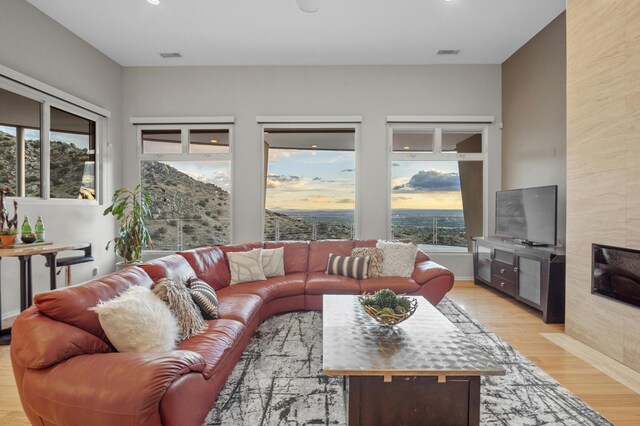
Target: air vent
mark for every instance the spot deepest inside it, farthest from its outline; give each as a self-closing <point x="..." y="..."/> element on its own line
<point x="448" y="52"/>
<point x="171" y="55"/>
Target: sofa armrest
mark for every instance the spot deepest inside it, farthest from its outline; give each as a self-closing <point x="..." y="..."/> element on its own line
<point x="427" y="270"/>
<point x="109" y="388"/>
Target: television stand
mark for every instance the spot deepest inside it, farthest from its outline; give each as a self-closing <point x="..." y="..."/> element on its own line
<point x="533" y="275"/>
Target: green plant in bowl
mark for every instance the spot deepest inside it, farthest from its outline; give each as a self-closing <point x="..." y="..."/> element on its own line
<point x="28" y="238"/>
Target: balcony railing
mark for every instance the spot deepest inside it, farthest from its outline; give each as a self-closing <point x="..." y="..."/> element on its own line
<point x="184" y="234"/>
<point x="305" y="228"/>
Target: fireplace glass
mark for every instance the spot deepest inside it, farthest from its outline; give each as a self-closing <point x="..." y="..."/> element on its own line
<point x="616" y="273"/>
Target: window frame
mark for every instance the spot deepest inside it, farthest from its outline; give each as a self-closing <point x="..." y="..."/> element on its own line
<point x="212" y="123"/>
<point x="48" y="101"/>
<point x="316" y="122"/>
<point x="438" y="128"/>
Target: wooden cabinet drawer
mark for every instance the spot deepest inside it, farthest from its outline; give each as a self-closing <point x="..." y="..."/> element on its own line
<point x="506" y="286"/>
<point x="504" y="271"/>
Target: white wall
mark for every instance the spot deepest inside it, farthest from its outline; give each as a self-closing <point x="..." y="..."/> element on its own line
<point x="35" y="45"/>
<point x="370" y="91"/>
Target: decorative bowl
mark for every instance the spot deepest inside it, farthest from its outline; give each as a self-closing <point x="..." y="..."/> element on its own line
<point x="28" y="239"/>
<point x="386" y="317"/>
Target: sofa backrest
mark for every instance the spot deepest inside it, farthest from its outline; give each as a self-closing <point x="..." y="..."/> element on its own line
<point x="319" y="252"/>
<point x="296" y="255"/>
<point x="71" y="304"/>
<point x="210" y="265"/>
<point x="173" y="266"/>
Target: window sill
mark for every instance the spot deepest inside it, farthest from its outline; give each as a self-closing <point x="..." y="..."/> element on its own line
<point x="26" y="201"/>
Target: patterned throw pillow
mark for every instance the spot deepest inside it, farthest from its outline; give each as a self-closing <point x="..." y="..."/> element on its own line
<point x="177" y="297"/>
<point x="398" y="259"/>
<point x="273" y="262"/>
<point x="205" y="297"/>
<point x="349" y="266"/>
<point x="246" y="266"/>
<point x="375" y="259"/>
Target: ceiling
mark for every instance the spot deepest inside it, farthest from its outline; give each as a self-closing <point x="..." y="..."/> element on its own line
<point x="276" y="32"/>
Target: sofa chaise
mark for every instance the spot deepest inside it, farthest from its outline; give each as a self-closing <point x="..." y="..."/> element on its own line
<point x="68" y="373"/>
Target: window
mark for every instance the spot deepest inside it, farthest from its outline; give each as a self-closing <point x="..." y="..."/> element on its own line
<point x="309" y="183"/>
<point x="55" y="162"/>
<point x="437" y="186"/>
<point x="186" y="172"/>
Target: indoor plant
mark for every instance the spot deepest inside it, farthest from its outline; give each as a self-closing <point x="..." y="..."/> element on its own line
<point x="8" y="236"/>
<point x="131" y="209"/>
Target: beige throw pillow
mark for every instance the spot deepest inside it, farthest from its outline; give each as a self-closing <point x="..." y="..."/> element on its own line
<point x="273" y="262"/>
<point x="246" y="266"/>
<point x="398" y="259"/>
<point x="375" y="259"/>
<point x="177" y="297"/>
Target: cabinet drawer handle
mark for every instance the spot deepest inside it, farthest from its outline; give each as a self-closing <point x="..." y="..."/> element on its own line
<point x="502" y="284"/>
<point x="515" y="269"/>
<point x="502" y="270"/>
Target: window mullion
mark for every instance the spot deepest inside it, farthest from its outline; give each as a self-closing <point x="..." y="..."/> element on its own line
<point x="45" y="152"/>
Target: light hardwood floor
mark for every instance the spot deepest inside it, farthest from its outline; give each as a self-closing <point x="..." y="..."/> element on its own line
<point x="516" y="324"/>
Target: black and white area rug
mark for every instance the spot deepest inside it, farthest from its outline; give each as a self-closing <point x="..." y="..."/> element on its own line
<point x="279" y="381"/>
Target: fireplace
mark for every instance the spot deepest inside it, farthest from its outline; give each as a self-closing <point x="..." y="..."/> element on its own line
<point x="616" y="273"/>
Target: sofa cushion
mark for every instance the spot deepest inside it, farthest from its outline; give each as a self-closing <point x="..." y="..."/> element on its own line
<point x="138" y="321"/>
<point x="234" y="248"/>
<point x="174" y="267"/>
<point x="398" y="259"/>
<point x="214" y="344"/>
<point x="296" y="255"/>
<point x="349" y="266"/>
<point x="238" y="307"/>
<point x="319" y="252"/>
<point x="273" y="262"/>
<point x="71" y="305"/>
<point x="365" y="243"/>
<point x="321" y="283"/>
<point x="398" y="285"/>
<point x="177" y="297"/>
<point x="246" y="266"/>
<point x="204" y="296"/>
<point x="210" y="265"/>
<point x="271" y="288"/>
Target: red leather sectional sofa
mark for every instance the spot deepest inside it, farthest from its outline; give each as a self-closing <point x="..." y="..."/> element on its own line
<point x="68" y="373"/>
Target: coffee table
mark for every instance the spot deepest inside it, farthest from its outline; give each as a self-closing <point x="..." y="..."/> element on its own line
<point x="424" y="371"/>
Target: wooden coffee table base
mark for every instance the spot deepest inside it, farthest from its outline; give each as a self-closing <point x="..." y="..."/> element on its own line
<point x="413" y="401"/>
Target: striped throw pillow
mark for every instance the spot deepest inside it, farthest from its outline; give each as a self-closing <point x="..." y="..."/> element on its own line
<point x="349" y="266"/>
<point x="205" y="297"/>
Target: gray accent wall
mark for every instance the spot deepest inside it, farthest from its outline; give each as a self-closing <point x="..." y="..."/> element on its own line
<point x="37" y="46"/>
<point x="373" y="92"/>
<point x="534" y="137"/>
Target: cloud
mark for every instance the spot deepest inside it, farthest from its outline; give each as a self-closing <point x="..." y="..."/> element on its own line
<point x="395" y="164"/>
<point x="345" y="201"/>
<point x="276" y="181"/>
<point x="431" y="181"/>
<point x="317" y="178"/>
<point x="399" y="198"/>
<point x="347" y="170"/>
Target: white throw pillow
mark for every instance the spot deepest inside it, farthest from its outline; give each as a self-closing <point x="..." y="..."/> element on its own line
<point x="246" y="266"/>
<point x="273" y="262"/>
<point x="138" y="321"/>
<point x="398" y="259"/>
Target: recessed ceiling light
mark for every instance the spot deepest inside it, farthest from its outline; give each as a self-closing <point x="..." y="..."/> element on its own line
<point x="214" y="140"/>
<point x="309" y="6"/>
<point x="171" y="55"/>
<point x="314" y="146"/>
<point x="154" y="2"/>
<point x="406" y="147"/>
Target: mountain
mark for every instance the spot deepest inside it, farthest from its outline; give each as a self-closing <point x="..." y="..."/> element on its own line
<point x="190" y="213"/>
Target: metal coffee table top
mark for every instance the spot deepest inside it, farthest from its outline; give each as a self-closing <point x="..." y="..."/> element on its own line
<point x="426" y="344"/>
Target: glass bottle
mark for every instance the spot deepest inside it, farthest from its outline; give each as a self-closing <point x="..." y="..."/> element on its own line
<point x="39" y="230"/>
<point x="26" y="227"/>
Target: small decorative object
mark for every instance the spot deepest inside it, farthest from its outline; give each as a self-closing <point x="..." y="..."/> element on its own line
<point x="8" y="227"/>
<point x="8" y="236"/>
<point x="28" y="238"/>
<point x="388" y="308"/>
<point x="131" y="209"/>
<point x="39" y="230"/>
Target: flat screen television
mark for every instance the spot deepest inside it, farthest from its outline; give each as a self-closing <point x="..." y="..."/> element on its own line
<point x="528" y="214"/>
